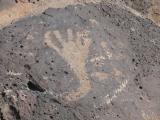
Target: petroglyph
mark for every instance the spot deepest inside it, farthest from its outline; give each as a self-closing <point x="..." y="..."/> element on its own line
<point x="75" y="51"/>
<point x="107" y="50"/>
<point x="117" y="73"/>
<point x="100" y="75"/>
<point x="109" y="98"/>
<point x="97" y="59"/>
<point x="104" y="75"/>
<point x="14" y="73"/>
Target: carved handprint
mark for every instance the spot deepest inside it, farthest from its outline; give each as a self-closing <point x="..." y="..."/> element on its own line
<point x="75" y="51"/>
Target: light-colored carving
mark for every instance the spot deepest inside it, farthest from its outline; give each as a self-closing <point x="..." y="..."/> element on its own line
<point x="75" y="51"/>
<point x="107" y="50"/>
<point x="100" y="75"/>
<point x="14" y="73"/>
<point x="109" y="98"/>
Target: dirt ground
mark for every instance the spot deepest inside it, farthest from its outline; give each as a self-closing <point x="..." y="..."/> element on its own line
<point x="79" y="60"/>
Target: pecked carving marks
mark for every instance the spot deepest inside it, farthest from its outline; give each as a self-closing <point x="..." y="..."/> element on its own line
<point x="75" y="51"/>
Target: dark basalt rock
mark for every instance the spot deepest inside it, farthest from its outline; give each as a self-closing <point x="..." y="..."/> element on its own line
<point x="122" y="65"/>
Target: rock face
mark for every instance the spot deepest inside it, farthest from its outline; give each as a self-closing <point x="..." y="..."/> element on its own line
<point x="81" y="62"/>
<point x="149" y="8"/>
<point x="11" y="10"/>
<point x="139" y="5"/>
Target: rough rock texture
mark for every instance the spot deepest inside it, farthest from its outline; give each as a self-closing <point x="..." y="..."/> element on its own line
<point x="81" y="62"/>
<point x="139" y="5"/>
<point x="149" y="8"/>
<point x="11" y="10"/>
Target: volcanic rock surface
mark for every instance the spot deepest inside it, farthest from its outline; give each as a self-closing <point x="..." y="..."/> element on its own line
<point x="86" y="61"/>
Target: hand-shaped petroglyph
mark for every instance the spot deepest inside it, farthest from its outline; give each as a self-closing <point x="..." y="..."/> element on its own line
<point x="74" y="50"/>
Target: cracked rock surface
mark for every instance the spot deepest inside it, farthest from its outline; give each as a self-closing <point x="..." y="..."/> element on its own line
<point x="94" y="61"/>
